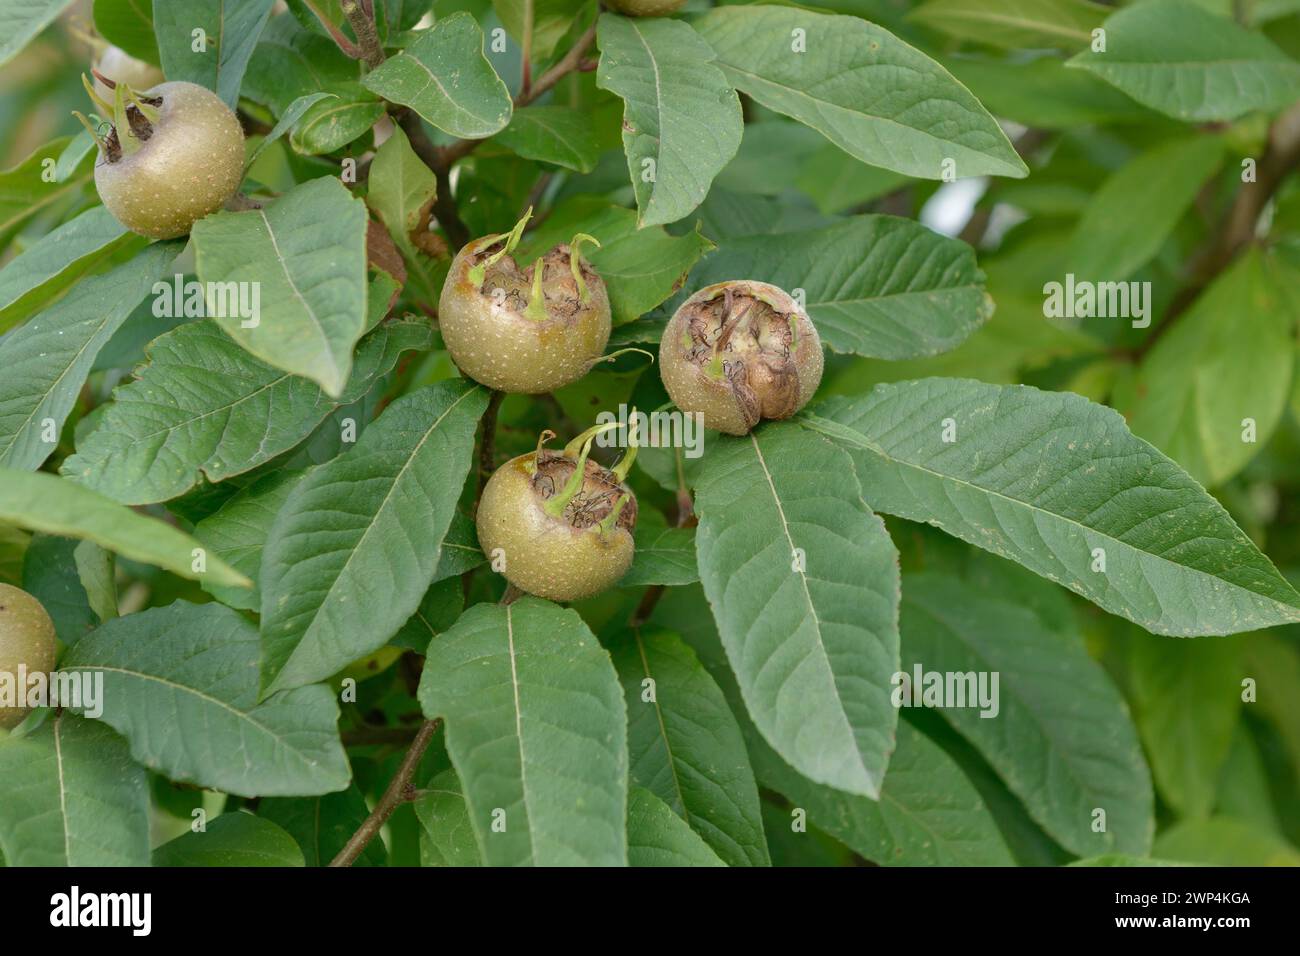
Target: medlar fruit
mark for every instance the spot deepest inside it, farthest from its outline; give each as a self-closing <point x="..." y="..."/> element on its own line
<point x="26" y="640"/>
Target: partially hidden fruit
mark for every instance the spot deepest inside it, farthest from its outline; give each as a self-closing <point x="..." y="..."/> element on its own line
<point x="739" y="352"/>
<point x="171" y="156"/>
<point x="523" y="330"/>
<point x="645" y="8"/>
<point x="118" y="66"/>
<point x="27" y="642"/>
<point x="562" y="523"/>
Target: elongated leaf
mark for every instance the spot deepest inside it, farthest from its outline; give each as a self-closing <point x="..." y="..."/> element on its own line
<point x="1186" y="700"/>
<point x="180" y="683"/>
<point x="230" y="31"/>
<point x="333" y="123"/>
<point x="445" y="77"/>
<point x="658" y="837"/>
<point x="49" y="574"/>
<point x="1223" y="841"/>
<point x="322" y="825"/>
<point x="356" y="545"/>
<point x="537" y="730"/>
<point x="232" y="839"/>
<point x="928" y="814"/>
<point x="289" y="63"/>
<point x="306" y="254"/>
<point x="71" y="796"/>
<point x="22" y="20"/>
<point x="47" y="360"/>
<point x="663" y="556"/>
<point x="1044" y="478"/>
<point x="803" y="583"/>
<point x="292" y="114"/>
<point x="1129" y="218"/>
<point x="873" y="285"/>
<point x="41" y="502"/>
<point x="1208" y="396"/>
<point x="551" y="20"/>
<point x="446" y="834"/>
<point x="205" y="408"/>
<point x="862" y="88"/>
<point x="681" y="118"/>
<point x="686" y="747"/>
<point x="1058" y="732"/>
<point x="401" y="186"/>
<point x="128" y="24"/>
<point x="553" y="134"/>
<point x="1015" y="24"/>
<point x="25" y="190"/>
<point x="44" y="270"/>
<point x="1176" y="57"/>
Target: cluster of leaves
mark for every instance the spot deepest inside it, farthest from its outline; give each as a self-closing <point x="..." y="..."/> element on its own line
<point x="261" y="538"/>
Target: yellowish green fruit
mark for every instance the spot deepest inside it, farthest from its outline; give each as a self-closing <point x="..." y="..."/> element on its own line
<point x="525" y="330"/>
<point x="160" y="175"/>
<point x="739" y="352"/>
<point x="562" y="537"/>
<point x="645" y="8"/>
<point x="27" y="641"/>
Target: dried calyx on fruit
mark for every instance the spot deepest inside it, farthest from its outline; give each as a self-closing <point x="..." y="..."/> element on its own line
<point x="523" y="330"/>
<point x="562" y="523"/>
<point x="169" y="156"/>
<point x="739" y="352"/>
<point x="27" y="645"/>
<point x="114" y="65"/>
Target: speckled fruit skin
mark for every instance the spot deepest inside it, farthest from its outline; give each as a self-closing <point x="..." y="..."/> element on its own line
<point x="691" y="388"/>
<point x="121" y="67"/>
<point x="508" y="351"/>
<point x="189" y="168"/>
<point x="26" y="638"/>
<point x="645" y="8"/>
<point x="545" y="556"/>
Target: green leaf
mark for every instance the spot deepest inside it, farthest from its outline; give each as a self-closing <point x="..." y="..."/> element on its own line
<point x="537" y="731"/>
<point x="1223" y="841"/>
<point x="95" y="570"/>
<point x="49" y="574"/>
<point x="401" y="186"/>
<point x="641" y="267"/>
<point x="553" y="134"/>
<point x="1129" y="218"/>
<point x="129" y="25"/>
<point x="205" y="408"/>
<point x="928" y="814"/>
<point x="232" y="839"/>
<point x="46" y="269"/>
<point x="25" y="190"/>
<point x="236" y="532"/>
<point x="180" y="683"/>
<point x="292" y="113"/>
<point x="21" y="21"/>
<point x="445" y="830"/>
<point x="371" y="521"/>
<point x="1120" y="859"/>
<point x="445" y="77"/>
<point x="71" y="796"/>
<point x="1060" y="736"/>
<point x="862" y="88"/>
<point x="290" y="63"/>
<point x="803" y="583"/>
<point x="321" y="826"/>
<point x="1204" y="383"/>
<point x="1176" y="57"/>
<point x="47" y="360"/>
<point x="230" y="31"/>
<point x="686" y="748"/>
<point x="307" y="254"/>
<point x="681" y="118"/>
<point x="441" y="605"/>
<point x="663" y="555"/>
<point x="658" y="837"/>
<point x="1186" y="701"/>
<point x="331" y="125"/>
<point x="552" y="20"/>
<point x="1015" y="24"/>
<point x="1044" y="478"/>
<point x="41" y="502"/>
<point x="14" y="542"/>
<point x="879" y="286"/>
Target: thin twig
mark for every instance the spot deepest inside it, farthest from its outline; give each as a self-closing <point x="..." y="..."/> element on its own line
<point x="487" y="451"/>
<point x="363" y="25"/>
<point x="400" y="790"/>
<point x="340" y="38"/>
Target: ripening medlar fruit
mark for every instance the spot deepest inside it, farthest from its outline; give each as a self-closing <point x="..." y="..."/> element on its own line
<point x="523" y="330"/>
<point x="563" y="523"/>
<point x="645" y="8"/>
<point x="27" y="640"/>
<point x="739" y="352"/>
<point x="118" y="66"/>
<point x="173" y="155"/>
